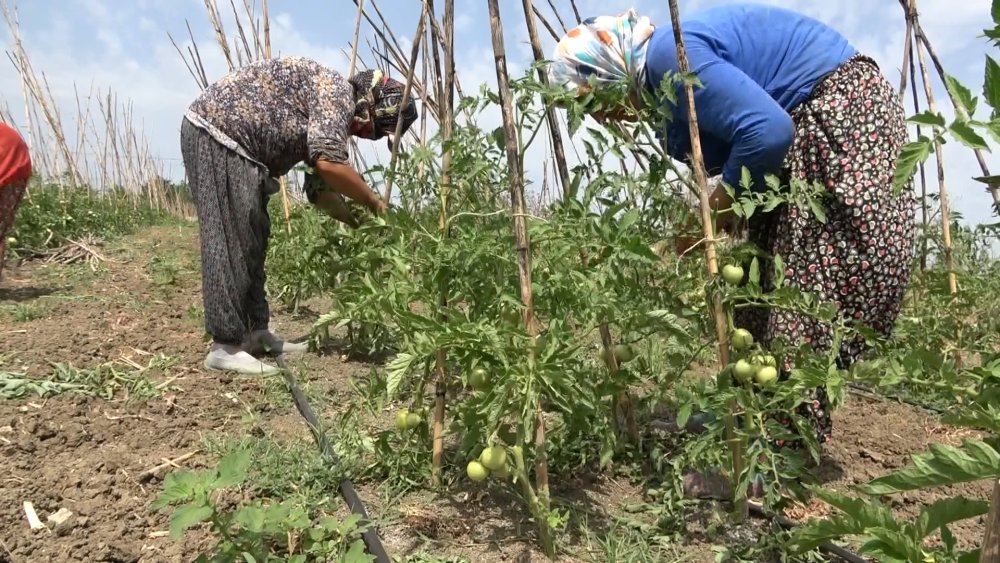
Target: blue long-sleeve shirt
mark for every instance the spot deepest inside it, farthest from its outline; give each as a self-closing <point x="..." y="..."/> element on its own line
<point x="756" y="63"/>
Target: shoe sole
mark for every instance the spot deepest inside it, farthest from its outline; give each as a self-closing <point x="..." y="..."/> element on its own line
<point x="263" y="373"/>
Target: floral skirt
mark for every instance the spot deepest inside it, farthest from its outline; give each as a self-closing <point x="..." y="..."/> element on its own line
<point x="848" y="135"/>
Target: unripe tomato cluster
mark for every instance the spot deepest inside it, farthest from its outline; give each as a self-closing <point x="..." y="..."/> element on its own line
<point x="406" y="420"/>
<point x="492" y="461"/>
<point x="762" y="368"/>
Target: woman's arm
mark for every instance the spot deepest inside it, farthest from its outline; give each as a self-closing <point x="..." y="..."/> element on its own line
<point x="343" y="179"/>
<point x="733" y="107"/>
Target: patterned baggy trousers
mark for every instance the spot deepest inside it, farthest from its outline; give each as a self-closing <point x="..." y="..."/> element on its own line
<point x="848" y="136"/>
<point x="231" y="195"/>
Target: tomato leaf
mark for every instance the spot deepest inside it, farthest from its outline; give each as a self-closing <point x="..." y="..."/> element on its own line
<point x="948" y="511"/>
<point x="232" y="469"/>
<point x="928" y="118"/>
<point x="968" y="136"/>
<point x="187" y="516"/>
<point x="397" y="370"/>
<point x="991" y="83"/>
<point x="754" y="277"/>
<point x="942" y="465"/>
<point x="357" y="554"/>
<point x="962" y="95"/>
<point x="912" y="155"/>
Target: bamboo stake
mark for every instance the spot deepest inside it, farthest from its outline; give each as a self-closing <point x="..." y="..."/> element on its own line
<point x="912" y="73"/>
<point x="921" y="37"/>
<point x="559" y="19"/>
<point x="623" y="400"/>
<point x="283" y="184"/>
<point x="357" y="33"/>
<point x="721" y="325"/>
<point x="411" y="69"/>
<point x="990" y="551"/>
<point x="939" y="157"/>
<point x="523" y="243"/>
<point x="907" y="52"/>
<point x="446" y="95"/>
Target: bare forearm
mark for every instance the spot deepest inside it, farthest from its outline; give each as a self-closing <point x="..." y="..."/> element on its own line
<point x="343" y="179"/>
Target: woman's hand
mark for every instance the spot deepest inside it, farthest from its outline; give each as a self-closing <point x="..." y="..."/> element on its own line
<point x="345" y="180"/>
<point x="725" y="220"/>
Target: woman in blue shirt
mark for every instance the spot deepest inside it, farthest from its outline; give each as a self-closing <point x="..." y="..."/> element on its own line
<point x="781" y="94"/>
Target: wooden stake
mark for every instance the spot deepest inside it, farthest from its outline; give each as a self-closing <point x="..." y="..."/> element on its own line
<point x="523" y="243"/>
<point x="357" y="33"/>
<point x="924" y="209"/>
<point x="921" y="37"/>
<point x="990" y="551"/>
<point x="446" y="100"/>
<point x="624" y="400"/>
<point x="939" y="158"/>
<point x="411" y="69"/>
<point x="721" y="324"/>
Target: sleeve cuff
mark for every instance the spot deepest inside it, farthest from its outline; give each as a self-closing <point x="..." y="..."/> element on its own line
<point x="329" y="152"/>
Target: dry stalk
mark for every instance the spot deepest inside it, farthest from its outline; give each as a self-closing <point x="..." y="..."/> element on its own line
<point x="411" y="69"/>
<point x="523" y="246"/>
<point x="446" y="97"/>
<point x="939" y="157"/>
<point x="721" y="324"/>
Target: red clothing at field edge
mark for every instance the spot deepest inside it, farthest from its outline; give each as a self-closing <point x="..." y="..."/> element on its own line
<point x="15" y="162"/>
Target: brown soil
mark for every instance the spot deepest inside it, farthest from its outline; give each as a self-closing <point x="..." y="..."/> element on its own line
<point x="88" y="455"/>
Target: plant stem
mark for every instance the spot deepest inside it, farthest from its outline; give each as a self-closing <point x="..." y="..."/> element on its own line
<point x="698" y="165"/>
<point x="523" y="245"/>
<point x="445" y="118"/>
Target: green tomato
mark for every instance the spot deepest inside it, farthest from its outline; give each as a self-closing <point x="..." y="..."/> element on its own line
<point x="742" y="339"/>
<point x="11" y="241"/>
<point x="732" y="273"/>
<point x="402" y="419"/>
<point x="501" y="473"/>
<point x="413" y="420"/>
<point x="493" y="457"/>
<point x="479" y="379"/>
<point x="624" y="353"/>
<point x="744" y="370"/>
<point x="766" y="375"/>
<point x="476" y="471"/>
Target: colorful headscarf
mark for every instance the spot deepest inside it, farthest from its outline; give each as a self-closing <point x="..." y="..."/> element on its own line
<point x="377" y="103"/>
<point x="609" y="48"/>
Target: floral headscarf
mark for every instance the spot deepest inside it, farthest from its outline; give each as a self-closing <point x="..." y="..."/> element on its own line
<point x="609" y="48"/>
<point x="377" y="104"/>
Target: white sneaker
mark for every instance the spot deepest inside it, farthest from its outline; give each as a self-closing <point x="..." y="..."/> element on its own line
<point x="265" y="342"/>
<point x="230" y="358"/>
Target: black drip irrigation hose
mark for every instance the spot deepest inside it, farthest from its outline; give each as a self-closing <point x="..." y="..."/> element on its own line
<point x="825" y="547"/>
<point x="369" y="535"/>
<point x="871" y="393"/>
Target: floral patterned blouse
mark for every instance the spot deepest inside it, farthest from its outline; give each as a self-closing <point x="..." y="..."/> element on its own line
<point x="279" y="112"/>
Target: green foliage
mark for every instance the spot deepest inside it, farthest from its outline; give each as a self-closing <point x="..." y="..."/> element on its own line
<point x="49" y="215"/>
<point x="303" y="263"/>
<point x="255" y="531"/>
<point x="107" y="381"/>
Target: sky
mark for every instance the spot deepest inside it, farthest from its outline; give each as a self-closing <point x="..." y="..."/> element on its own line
<point x="123" y="45"/>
